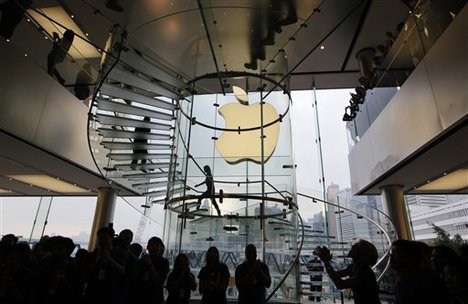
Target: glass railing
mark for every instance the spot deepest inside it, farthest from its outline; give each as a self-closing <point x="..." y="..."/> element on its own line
<point x="244" y="178"/>
<point x="51" y="38"/>
<point x="391" y="63"/>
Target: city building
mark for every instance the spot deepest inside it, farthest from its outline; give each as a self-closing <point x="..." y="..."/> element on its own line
<point x="453" y="218"/>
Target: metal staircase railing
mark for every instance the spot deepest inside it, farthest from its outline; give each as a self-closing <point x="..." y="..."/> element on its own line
<point x="339" y="250"/>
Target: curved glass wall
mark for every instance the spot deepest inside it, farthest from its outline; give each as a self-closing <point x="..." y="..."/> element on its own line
<point x="245" y="139"/>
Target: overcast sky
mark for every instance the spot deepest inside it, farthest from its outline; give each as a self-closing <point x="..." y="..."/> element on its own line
<point x="72" y="216"/>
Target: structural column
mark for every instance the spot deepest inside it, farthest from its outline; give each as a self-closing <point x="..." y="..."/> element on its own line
<point x="394" y="202"/>
<point x="104" y="213"/>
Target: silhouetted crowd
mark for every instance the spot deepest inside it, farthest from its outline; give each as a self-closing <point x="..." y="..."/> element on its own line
<point x="427" y="275"/>
<point x="119" y="271"/>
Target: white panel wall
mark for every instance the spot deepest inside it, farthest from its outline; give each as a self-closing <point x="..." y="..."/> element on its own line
<point x="39" y="110"/>
<point x="430" y="101"/>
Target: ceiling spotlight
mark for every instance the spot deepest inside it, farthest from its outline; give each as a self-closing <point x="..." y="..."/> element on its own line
<point x="322" y="47"/>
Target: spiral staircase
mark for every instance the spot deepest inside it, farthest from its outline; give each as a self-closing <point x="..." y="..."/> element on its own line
<point x="132" y="120"/>
<point x="132" y="125"/>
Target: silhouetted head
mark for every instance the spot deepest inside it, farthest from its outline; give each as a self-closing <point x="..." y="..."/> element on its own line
<point x="69" y="35"/>
<point x="180" y="262"/>
<point x="126" y="238"/>
<point x="61" y="247"/>
<point x="364" y="253"/>
<point x="9" y="240"/>
<point x="207" y="169"/>
<point x="426" y="254"/>
<point x="440" y="255"/>
<point x="136" y="249"/>
<point x="251" y="253"/>
<point x="405" y="255"/>
<point x="212" y="256"/>
<point x="105" y="237"/>
<point x="81" y="255"/>
<point x="155" y="246"/>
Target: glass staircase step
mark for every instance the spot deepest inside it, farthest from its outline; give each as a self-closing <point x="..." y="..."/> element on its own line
<point x="118" y="92"/>
<point x="119" y="74"/>
<point x="160" y="192"/>
<point x="148" y="185"/>
<point x="156" y="186"/>
<point x="148" y="166"/>
<point x="317" y="283"/>
<point x="147" y="176"/>
<point x="320" y="293"/>
<point x="129" y="122"/>
<point x="132" y="156"/>
<point x="148" y="67"/>
<point x="124" y="108"/>
<point x="160" y="201"/>
<point x="112" y="133"/>
<point x="187" y="206"/>
<point x="155" y="193"/>
<point x="113" y="145"/>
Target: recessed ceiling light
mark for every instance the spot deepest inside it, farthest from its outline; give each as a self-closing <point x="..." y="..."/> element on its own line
<point x="448" y="182"/>
<point x="47" y="182"/>
<point x="322" y="47"/>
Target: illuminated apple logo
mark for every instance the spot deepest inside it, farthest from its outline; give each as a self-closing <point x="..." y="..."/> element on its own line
<point x="239" y="146"/>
